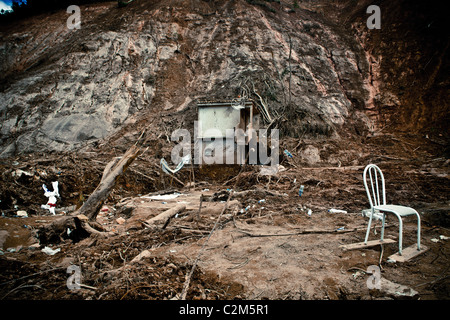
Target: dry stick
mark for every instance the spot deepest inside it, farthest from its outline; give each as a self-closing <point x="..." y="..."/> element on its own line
<point x="197" y="218"/>
<point x="381" y="256"/>
<point x="298" y="233"/>
<point x="290" y="69"/>
<point x="174" y="178"/>
<point x="31" y="275"/>
<point x="146" y="286"/>
<point x="189" y="276"/>
<point x="21" y="287"/>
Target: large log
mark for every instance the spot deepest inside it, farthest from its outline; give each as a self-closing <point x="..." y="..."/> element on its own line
<point x="88" y="211"/>
<point x="163" y="218"/>
<point x="112" y="171"/>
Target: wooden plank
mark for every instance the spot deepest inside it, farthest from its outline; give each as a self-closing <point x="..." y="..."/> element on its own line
<point x="362" y="245"/>
<point x="408" y="253"/>
<point x="334" y="168"/>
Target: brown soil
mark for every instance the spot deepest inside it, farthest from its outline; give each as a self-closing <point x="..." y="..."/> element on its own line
<point x="260" y="253"/>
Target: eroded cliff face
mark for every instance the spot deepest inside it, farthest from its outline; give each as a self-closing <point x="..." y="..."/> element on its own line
<point x="63" y="89"/>
<point x="408" y="63"/>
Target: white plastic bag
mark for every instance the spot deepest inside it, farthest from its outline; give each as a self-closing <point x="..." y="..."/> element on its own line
<point x="336" y="211"/>
<point x="51" y="195"/>
<point x="50" y="251"/>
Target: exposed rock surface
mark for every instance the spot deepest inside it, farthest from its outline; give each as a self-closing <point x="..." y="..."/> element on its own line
<point x="62" y="88"/>
<point x="316" y="65"/>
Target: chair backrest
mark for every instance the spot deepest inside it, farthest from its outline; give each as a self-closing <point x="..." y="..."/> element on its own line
<point x="373" y="174"/>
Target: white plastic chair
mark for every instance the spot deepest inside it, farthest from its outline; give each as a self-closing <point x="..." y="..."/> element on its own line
<point x="374" y="174"/>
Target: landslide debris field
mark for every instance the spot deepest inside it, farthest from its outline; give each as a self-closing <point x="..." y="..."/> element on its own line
<point x="342" y="97"/>
<point x="271" y="249"/>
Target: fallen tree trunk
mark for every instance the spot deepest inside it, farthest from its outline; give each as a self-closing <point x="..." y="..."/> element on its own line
<point x="164" y="218"/>
<point x="112" y="171"/>
<point x="84" y="223"/>
<point x="79" y="224"/>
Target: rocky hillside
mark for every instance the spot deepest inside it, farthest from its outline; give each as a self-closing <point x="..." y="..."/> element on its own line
<point x="409" y="62"/>
<point x="63" y="89"/>
<point x="343" y="96"/>
<point x="315" y="64"/>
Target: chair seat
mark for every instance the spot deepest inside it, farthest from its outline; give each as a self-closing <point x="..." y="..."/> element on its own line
<point x="400" y="210"/>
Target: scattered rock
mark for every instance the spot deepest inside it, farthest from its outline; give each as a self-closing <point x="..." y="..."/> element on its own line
<point x="310" y="154"/>
<point x="120" y="220"/>
<point x="3" y="236"/>
<point x="22" y="213"/>
<point x="394" y="290"/>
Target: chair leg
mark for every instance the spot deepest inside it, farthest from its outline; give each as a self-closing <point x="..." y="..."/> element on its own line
<point x="418" y="231"/>
<point x="400" y="234"/>
<point x="368" y="229"/>
<point x="382" y="226"/>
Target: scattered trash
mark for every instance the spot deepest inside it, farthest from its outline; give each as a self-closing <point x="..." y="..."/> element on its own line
<point x="65" y="210"/>
<point x="246" y="209"/>
<point x="165" y="167"/>
<point x="309" y="212"/>
<point x="51" y="203"/>
<point x="11" y="250"/>
<point x="376" y="215"/>
<point x="390" y="260"/>
<point x="262" y="200"/>
<point x="340" y="229"/>
<point x="163" y="196"/>
<point x="288" y="153"/>
<point x="34" y="246"/>
<point x="336" y="211"/>
<point x="18" y="173"/>
<point x="271" y="170"/>
<point x="50" y="251"/>
<point x="300" y="191"/>
<point x="22" y="213"/>
<point x="120" y="220"/>
<point x="204" y="190"/>
<point x="357" y="274"/>
<point x="441" y="237"/>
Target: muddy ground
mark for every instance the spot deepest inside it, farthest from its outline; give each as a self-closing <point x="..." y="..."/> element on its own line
<point x="257" y="250"/>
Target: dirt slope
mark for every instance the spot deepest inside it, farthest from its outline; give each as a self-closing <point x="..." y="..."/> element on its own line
<point x="67" y="89"/>
<point x="76" y="100"/>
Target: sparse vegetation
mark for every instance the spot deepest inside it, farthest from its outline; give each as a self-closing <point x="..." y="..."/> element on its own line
<point x="263" y="4"/>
